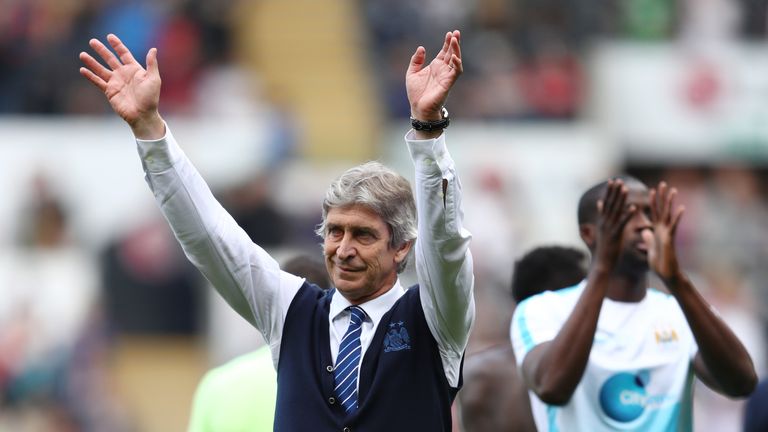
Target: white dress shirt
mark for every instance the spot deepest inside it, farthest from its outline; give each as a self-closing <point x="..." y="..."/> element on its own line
<point x="251" y="281"/>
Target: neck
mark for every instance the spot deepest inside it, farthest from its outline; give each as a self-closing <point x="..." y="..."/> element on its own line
<point x="627" y="287"/>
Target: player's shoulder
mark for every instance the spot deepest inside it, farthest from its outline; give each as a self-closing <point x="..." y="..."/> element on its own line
<point x="563" y="296"/>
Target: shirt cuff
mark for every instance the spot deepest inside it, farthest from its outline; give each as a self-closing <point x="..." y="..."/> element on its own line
<point x="161" y="154"/>
<point x="430" y="155"/>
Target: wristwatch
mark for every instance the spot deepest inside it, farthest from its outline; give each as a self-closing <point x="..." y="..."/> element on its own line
<point x="434" y="125"/>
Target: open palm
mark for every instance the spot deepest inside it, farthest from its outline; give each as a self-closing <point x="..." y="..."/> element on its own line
<point x="428" y="85"/>
<point x="132" y="91"/>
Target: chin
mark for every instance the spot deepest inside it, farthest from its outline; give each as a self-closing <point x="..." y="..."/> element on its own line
<point x="344" y="287"/>
<point x="634" y="263"/>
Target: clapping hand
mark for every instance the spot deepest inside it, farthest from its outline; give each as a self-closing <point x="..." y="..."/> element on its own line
<point x="665" y="217"/>
<point x="612" y="217"/>
<point x="428" y="85"/>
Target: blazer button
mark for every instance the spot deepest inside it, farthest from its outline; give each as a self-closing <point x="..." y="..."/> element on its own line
<point x="331" y="400"/>
<point x="329" y="368"/>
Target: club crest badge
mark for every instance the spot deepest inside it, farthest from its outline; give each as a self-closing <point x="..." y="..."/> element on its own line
<point x="397" y="338"/>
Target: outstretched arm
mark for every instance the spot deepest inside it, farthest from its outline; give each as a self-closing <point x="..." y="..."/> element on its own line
<point x="554" y="369"/>
<point x="244" y="274"/>
<point x="722" y="361"/>
<point x="443" y="260"/>
<point x="132" y="91"/>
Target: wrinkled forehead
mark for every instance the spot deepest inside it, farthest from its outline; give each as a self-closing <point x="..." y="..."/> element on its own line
<point x="355" y="215"/>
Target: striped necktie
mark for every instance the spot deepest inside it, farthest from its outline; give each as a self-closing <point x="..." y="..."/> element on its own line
<point x="348" y="361"/>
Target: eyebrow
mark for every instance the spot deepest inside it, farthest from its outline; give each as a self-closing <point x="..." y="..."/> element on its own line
<point x="356" y="228"/>
<point x="366" y="230"/>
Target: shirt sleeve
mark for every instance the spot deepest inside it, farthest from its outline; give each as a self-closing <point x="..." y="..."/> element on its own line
<point x="248" y="278"/>
<point x="535" y="321"/>
<point x="442" y="256"/>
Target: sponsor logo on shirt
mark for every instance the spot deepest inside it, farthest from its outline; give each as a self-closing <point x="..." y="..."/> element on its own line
<point x="665" y="336"/>
<point x="624" y="396"/>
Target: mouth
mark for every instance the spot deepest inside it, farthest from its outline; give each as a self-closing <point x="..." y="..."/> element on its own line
<point x="642" y="247"/>
<point x="346" y="269"/>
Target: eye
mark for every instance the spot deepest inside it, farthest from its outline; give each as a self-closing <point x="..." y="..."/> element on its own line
<point x="335" y="232"/>
<point x="365" y="236"/>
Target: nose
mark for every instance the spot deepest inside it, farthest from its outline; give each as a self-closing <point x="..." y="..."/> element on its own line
<point x="346" y="248"/>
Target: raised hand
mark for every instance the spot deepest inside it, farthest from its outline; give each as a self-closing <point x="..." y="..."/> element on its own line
<point x="428" y="84"/>
<point x="665" y="217"/>
<point x="132" y="91"/>
<point x="612" y="217"/>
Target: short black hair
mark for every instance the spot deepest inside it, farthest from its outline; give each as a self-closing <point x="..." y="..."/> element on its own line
<point x="310" y="268"/>
<point x="587" y="210"/>
<point x="547" y="268"/>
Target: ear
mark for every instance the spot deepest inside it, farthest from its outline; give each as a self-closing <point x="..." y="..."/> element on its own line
<point x="588" y="233"/>
<point x="402" y="251"/>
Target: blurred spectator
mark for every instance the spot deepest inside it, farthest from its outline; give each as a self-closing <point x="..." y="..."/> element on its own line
<point x="149" y="286"/>
<point x="251" y="206"/>
<point x="52" y="339"/>
<point x="726" y="290"/>
<point x="180" y="44"/>
<point x="736" y="198"/>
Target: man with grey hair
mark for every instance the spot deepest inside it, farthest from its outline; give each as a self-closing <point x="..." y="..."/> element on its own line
<point x="368" y="355"/>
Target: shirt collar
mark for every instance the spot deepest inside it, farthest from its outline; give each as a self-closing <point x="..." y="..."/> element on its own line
<point x="374" y="309"/>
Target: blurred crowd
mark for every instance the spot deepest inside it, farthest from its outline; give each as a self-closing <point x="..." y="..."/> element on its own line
<point x="527" y="59"/>
<point x="40" y="40"/>
<point x="524" y="59"/>
<point x="63" y="304"/>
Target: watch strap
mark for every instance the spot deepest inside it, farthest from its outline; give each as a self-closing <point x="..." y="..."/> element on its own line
<point x="432" y="125"/>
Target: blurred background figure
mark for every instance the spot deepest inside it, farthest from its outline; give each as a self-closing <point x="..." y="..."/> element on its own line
<point x="555" y="96"/>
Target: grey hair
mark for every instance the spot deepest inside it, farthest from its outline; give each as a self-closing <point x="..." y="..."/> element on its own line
<point x="382" y="190"/>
